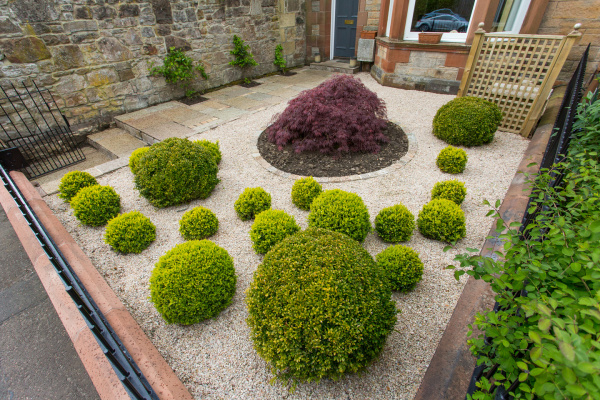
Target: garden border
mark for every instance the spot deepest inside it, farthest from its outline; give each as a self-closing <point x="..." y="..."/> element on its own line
<point x="401" y="162"/>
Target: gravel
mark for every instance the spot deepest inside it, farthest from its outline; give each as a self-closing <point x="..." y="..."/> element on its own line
<point x="215" y="359"/>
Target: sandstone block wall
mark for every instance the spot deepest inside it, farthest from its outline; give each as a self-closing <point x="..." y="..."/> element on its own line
<point x="94" y="55"/>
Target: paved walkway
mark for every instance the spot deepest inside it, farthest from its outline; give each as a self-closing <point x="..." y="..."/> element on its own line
<point x="37" y="357"/>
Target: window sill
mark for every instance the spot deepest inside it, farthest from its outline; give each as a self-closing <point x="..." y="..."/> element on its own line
<point x="413" y="44"/>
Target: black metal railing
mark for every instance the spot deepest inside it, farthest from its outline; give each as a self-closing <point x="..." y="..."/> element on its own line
<point x="134" y="382"/>
<point x="31" y="121"/>
<point x="554" y="155"/>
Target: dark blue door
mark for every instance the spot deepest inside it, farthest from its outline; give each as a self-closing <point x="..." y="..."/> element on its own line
<point x="345" y="28"/>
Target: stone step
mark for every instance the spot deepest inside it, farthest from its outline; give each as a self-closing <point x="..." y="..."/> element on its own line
<point x="340" y="66"/>
<point x="116" y="142"/>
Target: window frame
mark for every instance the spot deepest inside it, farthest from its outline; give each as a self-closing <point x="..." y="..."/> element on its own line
<point x="519" y="18"/>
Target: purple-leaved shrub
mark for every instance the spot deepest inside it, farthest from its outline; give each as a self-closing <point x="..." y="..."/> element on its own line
<point x="340" y="115"/>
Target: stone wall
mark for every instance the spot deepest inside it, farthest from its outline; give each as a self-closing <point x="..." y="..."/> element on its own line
<point x="94" y="55"/>
<point x="559" y="18"/>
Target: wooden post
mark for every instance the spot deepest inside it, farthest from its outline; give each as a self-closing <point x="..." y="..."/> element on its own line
<point x="468" y="73"/>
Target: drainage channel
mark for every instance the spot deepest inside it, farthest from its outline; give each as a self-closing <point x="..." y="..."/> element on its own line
<point x="127" y="371"/>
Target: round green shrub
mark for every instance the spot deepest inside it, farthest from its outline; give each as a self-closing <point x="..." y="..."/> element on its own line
<point x="212" y="147"/>
<point x="452" y="160"/>
<point x="450" y="190"/>
<point x="198" y="223"/>
<point x="96" y="205"/>
<point x="467" y="121"/>
<point x="271" y="227"/>
<point x="131" y="232"/>
<point x="134" y="158"/>
<point x="73" y="182"/>
<point x="443" y="220"/>
<point x="304" y="191"/>
<point x="192" y="282"/>
<point x="176" y="171"/>
<point x="395" y="224"/>
<point x="252" y="202"/>
<point x="403" y="266"/>
<point x="319" y="307"/>
<point x="342" y="212"/>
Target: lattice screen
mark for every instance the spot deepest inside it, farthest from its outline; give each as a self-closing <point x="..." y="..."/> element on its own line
<point x="516" y="72"/>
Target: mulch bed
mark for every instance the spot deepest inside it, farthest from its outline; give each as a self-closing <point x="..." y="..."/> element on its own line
<point x="190" y="101"/>
<point x="322" y="165"/>
<point x="250" y="85"/>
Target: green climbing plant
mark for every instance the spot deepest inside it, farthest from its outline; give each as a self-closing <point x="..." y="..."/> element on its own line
<point x="279" y="61"/>
<point x="243" y="57"/>
<point x="179" y="69"/>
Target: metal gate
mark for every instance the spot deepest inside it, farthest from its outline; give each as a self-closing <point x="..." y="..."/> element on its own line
<point x="32" y="122"/>
<point x="516" y="72"/>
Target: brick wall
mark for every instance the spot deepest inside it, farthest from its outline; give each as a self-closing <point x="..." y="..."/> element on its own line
<point x="559" y="18"/>
<point x="94" y="56"/>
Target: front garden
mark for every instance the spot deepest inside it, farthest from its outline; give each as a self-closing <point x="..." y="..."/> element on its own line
<point x="219" y="357"/>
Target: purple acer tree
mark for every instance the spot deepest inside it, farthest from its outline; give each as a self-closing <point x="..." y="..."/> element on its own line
<point x="340" y="115"/>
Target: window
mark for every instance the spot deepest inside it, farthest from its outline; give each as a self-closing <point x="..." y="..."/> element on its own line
<point x="452" y="17"/>
<point x="510" y="15"/>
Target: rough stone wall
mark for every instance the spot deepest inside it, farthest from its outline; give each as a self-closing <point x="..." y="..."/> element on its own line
<point x="318" y="29"/>
<point x="559" y="18"/>
<point x="94" y="55"/>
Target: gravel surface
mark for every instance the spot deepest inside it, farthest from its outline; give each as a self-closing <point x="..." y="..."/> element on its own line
<point x="215" y="359"/>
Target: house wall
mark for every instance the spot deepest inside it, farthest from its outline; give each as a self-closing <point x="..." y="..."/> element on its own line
<point x="94" y="55"/>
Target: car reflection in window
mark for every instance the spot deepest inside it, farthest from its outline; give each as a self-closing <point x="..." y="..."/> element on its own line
<point x="442" y="20"/>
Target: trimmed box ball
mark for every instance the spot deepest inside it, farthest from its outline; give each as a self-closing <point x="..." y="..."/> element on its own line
<point x="395" y="224"/>
<point x="304" y="191"/>
<point x="442" y="220"/>
<point x="467" y="121"/>
<point x="198" y="223"/>
<point x="192" y="282"/>
<point x="213" y="148"/>
<point x="341" y="212"/>
<point x="319" y="307"/>
<point x="96" y="205"/>
<point x="131" y="232"/>
<point x="450" y="190"/>
<point x="452" y="160"/>
<point x="176" y="171"/>
<point x="271" y="227"/>
<point x="403" y="266"/>
<point x="134" y="158"/>
<point x="73" y="182"/>
<point x="252" y="202"/>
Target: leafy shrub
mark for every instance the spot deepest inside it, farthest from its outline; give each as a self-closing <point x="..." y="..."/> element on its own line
<point x="271" y="227"/>
<point x="452" y="160"/>
<point x="73" y="182"/>
<point x="319" y="307"/>
<point x="192" y="282"/>
<point x="443" y="220"/>
<point x="198" y="223"/>
<point x="252" y="202"/>
<point x="131" y="232"/>
<point x="179" y="69"/>
<point x="395" y="224"/>
<point x="213" y="148"/>
<point x="96" y="205"/>
<point x="403" y="266"/>
<point x="467" y="121"/>
<point x="340" y="115"/>
<point x="243" y="58"/>
<point x="304" y="191"/>
<point x="134" y="158"/>
<point x="279" y="61"/>
<point x="176" y="171"/>
<point x="342" y="212"/>
<point x="450" y="190"/>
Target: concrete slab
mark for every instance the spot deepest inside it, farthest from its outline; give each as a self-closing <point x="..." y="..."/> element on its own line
<point x="209" y="104"/>
<point x="168" y="130"/>
<point x="245" y="103"/>
<point x="152" y="119"/>
<point x="116" y="142"/>
<point x="149" y="110"/>
<point x="198" y="120"/>
<point x="227" y="113"/>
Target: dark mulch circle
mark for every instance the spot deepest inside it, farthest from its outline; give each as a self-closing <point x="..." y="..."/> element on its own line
<point x="319" y="164"/>
<point x="190" y="101"/>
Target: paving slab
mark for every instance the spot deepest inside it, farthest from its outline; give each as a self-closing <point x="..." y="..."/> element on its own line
<point x="212" y="104"/>
<point x="227" y="113"/>
<point x="168" y="130"/>
<point x="245" y="103"/>
<point x="147" y="111"/>
<point x="115" y="142"/>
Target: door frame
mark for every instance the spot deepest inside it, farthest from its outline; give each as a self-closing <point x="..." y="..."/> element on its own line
<point x="332" y="35"/>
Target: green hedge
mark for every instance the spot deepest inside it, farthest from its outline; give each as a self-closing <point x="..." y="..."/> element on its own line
<point x="131" y="232"/>
<point x="403" y="266"/>
<point x="443" y="220"/>
<point x="96" y="205"/>
<point x="72" y="182"/>
<point x="198" y="223"/>
<point x="395" y="224"/>
<point x="304" y="191"/>
<point x="251" y="202"/>
<point x="271" y="227"/>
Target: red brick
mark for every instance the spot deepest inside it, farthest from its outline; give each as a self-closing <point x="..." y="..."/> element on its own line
<point x="388" y="66"/>
<point x="398" y="56"/>
<point x="456" y="60"/>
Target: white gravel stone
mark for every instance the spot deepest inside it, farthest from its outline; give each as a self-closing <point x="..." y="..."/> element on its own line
<point x="215" y="359"/>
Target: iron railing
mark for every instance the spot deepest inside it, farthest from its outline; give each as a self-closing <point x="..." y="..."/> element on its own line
<point x="554" y="155"/>
<point x="134" y="382"/>
<point x="31" y="121"/>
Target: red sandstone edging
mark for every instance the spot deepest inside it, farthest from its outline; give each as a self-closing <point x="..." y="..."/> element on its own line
<point x="156" y="370"/>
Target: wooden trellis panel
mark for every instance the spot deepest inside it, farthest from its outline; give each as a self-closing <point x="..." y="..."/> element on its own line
<point x="516" y="72"/>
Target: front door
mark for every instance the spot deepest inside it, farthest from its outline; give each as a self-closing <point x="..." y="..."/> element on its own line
<point x="344" y="38"/>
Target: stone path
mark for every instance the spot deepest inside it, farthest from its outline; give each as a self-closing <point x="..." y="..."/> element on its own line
<point x="176" y="119"/>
